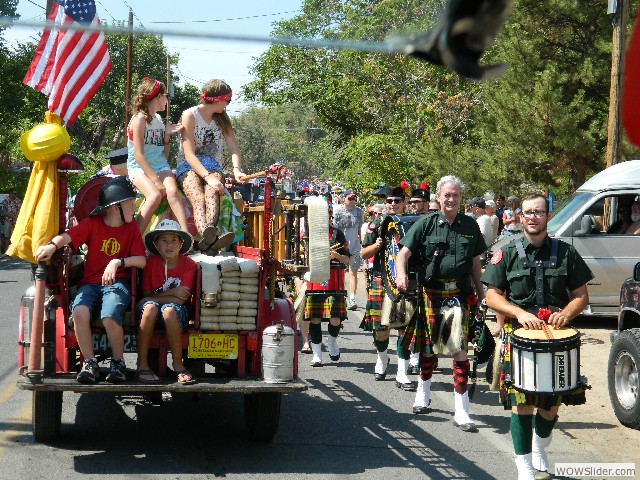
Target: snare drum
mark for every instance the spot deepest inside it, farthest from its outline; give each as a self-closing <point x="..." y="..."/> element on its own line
<point x="392" y="229"/>
<point x="541" y="365"/>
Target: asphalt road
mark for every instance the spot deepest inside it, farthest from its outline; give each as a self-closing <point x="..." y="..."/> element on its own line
<point x="346" y="425"/>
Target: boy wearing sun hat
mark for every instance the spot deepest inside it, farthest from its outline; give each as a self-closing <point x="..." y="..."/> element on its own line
<point x="167" y="285"/>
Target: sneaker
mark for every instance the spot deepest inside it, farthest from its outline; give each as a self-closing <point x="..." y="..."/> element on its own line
<point x="118" y="371"/>
<point x="352" y="305"/>
<point x="89" y="372"/>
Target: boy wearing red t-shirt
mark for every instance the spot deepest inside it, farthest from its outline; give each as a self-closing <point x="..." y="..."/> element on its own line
<point x="167" y="283"/>
<point x="114" y="246"/>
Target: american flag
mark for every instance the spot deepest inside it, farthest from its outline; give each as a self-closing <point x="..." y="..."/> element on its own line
<point x="69" y="65"/>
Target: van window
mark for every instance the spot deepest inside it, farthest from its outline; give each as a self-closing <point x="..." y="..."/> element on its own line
<point x="567" y="209"/>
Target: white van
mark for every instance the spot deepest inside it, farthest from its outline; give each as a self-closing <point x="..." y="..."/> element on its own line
<point x="582" y="221"/>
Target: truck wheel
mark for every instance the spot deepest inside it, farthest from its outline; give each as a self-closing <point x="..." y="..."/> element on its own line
<point x="46" y="416"/>
<point x="261" y="415"/>
<point x="623" y="377"/>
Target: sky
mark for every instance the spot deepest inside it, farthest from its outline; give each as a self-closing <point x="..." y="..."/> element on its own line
<point x="200" y="59"/>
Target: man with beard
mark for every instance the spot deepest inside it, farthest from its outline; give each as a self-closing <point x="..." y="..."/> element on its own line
<point x="526" y="278"/>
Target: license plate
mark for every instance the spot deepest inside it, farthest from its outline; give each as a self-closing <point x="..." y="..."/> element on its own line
<point x="101" y="343"/>
<point x="213" y="345"/>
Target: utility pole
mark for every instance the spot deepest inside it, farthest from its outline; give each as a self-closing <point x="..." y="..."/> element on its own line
<point x="127" y="100"/>
<point x="619" y="10"/>
<point x="168" y="85"/>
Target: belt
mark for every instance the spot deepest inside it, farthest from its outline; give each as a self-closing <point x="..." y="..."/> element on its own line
<point x="444" y="284"/>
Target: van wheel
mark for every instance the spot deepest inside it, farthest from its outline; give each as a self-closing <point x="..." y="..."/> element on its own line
<point x="47" y="416"/>
<point x="623" y="377"/>
<point x="261" y="415"/>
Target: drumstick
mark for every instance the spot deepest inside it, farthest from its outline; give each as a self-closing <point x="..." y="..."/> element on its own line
<point x="547" y="331"/>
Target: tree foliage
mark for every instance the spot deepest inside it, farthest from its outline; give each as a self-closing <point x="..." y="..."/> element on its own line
<point x="543" y="125"/>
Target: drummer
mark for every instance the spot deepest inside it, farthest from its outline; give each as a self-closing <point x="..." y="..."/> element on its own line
<point x="328" y="301"/>
<point x="564" y="294"/>
<point x="372" y="320"/>
<point x="448" y="245"/>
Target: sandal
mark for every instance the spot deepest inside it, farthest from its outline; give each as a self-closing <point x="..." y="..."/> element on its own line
<point x="140" y="374"/>
<point x="185" y="378"/>
<point x="306" y="349"/>
<point x="209" y="236"/>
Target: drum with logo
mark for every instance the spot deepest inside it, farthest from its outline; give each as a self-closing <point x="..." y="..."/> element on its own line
<point x="545" y="365"/>
<point x="392" y="229"/>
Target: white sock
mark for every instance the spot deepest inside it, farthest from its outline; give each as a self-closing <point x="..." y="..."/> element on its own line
<point x="538" y="455"/>
<point x="401" y="376"/>
<point x="413" y="361"/>
<point x="461" y="416"/>
<point x="423" y="393"/>
<point x="317" y="352"/>
<point x="525" y="468"/>
<point x="382" y="362"/>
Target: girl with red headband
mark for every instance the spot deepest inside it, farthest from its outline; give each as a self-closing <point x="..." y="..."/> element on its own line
<point x="148" y="144"/>
<point x="199" y="170"/>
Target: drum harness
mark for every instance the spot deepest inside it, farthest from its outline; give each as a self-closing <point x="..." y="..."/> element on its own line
<point x="543" y="311"/>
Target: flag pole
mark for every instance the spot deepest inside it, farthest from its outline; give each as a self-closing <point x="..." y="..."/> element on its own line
<point x="127" y="99"/>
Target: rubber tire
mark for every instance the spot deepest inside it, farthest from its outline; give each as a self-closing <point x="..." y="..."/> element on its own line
<point x="46" y="416"/>
<point x="626" y="346"/>
<point x="261" y="415"/>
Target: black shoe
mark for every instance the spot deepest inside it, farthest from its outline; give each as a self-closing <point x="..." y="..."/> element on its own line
<point x="89" y="372"/>
<point x="335" y="358"/>
<point x="421" y="410"/>
<point x="118" y="371"/>
<point x="466" y="427"/>
<point x="352" y="305"/>
<point x="413" y="370"/>
<point x="407" y="387"/>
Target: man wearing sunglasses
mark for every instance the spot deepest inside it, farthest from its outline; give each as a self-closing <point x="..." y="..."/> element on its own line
<point x="448" y="245"/>
<point x="527" y="280"/>
<point x="349" y="218"/>
<point x="419" y="201"/>
<point x="372" y="320"/>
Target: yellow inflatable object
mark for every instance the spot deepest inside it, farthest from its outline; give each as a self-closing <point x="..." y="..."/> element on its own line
<point x="46" y="142"/>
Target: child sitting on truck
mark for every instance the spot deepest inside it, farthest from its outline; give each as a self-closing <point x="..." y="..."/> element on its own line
<point x="167" y="284"/>
<point x="114" y="245"/>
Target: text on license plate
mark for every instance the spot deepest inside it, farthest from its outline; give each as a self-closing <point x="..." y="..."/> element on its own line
<point x="101" y="343"/>
<point x="213" y="345"/>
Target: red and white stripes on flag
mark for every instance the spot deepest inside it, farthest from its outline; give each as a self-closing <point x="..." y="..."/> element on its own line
<point x="69" y="65"/>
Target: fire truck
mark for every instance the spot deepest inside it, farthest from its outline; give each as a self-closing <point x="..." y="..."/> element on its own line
<point x="257" y="359"/>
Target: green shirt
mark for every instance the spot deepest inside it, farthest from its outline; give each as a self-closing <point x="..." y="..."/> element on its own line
<point x="462" y="238"/>
<point x="507" y="272"/>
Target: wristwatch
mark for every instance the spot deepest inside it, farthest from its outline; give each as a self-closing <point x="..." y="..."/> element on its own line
<point x="121" y="262"/>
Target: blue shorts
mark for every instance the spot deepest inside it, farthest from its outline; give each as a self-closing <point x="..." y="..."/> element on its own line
<point x="182" y="312"/>
<point x="110" y="301"/>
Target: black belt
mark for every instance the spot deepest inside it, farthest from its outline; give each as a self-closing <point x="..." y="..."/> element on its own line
<point x="444" y="284"/>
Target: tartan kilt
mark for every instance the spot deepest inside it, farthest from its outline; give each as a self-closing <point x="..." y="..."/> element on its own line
<point x="421" y="335"/>
<point x="373" y="309"/>
<point x="325" y="307"/>
<point x="510" y="397"/>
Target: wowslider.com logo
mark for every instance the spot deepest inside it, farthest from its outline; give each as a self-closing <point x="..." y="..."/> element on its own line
<point x="599" y="470"/>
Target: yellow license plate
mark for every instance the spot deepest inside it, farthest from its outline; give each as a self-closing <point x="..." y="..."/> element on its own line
<point x="213" y="345"/>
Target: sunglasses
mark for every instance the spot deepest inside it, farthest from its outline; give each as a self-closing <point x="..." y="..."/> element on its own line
<point x="394" y="200"/>
<point x="434" y="209"/>
<point x="415" y="202"/>
<point x="352" y="197"/>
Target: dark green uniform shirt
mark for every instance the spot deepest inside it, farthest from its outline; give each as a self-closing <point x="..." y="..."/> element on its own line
<point x="507" y="272"/>
<point x="462" y="238"/>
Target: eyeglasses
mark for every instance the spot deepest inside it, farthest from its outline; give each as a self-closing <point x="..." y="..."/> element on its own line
<point x="375" y="214"/>
<point x="532" y="214"/>
<point x="353" y="197"/>
<point x="434" y="209"/>
<point x="414" y="202"/>
<point x="394" y="200"/>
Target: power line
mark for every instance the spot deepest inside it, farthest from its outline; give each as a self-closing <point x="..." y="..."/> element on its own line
<point x="229" y="19"/>
<point x="134" y="13"/>
<point x="40" y="6"/>
<point x="105" y="9"/>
